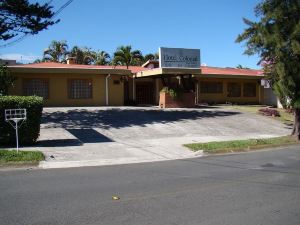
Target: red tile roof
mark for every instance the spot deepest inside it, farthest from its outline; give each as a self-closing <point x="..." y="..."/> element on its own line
<point x="135" y="69"/>
<point x="230" y="71"/>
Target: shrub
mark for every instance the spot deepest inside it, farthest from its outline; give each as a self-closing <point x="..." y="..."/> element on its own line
<point x="30" y="129"/>
<point x="269" y="112"/>
<point x="175" y="92"/>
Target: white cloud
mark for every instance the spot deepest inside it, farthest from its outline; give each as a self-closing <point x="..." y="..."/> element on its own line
<point x="22" y="58"/>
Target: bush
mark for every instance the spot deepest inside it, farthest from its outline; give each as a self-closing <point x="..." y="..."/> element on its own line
<point x="269" y="112"/>
<point x="175" y="92"/>
<point x="30" y="129"/>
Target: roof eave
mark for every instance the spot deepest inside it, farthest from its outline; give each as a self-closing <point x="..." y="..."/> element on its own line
<point x="168" y="71"/>
<point x="245" y="76"/>
<point x="70" y="70"/>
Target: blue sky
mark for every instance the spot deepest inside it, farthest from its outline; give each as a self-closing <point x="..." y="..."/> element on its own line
<point x="211" y="25"/>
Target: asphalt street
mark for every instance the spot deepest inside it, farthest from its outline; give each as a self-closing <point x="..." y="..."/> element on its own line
<point x="260" y="187"/>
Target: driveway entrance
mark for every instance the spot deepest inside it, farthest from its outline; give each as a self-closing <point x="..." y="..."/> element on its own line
<point x="114" y="135"/>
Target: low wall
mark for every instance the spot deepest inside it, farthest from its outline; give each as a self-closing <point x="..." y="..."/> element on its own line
<point x="186" y="100"/>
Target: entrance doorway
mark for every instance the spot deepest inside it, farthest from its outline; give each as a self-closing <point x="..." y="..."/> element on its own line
<point x="145" y="93"/>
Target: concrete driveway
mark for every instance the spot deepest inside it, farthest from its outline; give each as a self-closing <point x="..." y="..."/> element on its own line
<point x="92" y="136"/>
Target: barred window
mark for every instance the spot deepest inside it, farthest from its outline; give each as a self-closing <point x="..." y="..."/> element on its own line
<point x="209" y="87"/>
<point x="234" y="89"/>
<point x="249" y="90"/>
<point x="38" y="87"/>
<point x="80" y="88"/>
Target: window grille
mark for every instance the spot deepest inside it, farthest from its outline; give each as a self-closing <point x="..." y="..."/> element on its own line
<point x="209" y="87"/>
<point x="249" y="90"/>
<point x="80" y="89"/>
<point x="234" y="89"/>
<point x="38" y="87"/>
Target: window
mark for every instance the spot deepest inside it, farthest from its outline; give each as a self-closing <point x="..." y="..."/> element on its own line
<point x="38" y="87"/>
<point x="249" y="90"/>
<point x="209" y="87"/>
<point x="80" y="88"/>
<point x="234" y="90"/>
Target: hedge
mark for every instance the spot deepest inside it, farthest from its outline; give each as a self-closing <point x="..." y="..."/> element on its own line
<point x="30" y="129"/>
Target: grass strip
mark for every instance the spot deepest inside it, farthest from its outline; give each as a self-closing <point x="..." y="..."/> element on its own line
<point x="241" y="145"/>
<point x="12" y="157"/>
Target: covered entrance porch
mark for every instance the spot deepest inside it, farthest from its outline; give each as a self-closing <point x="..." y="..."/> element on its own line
<point x="165" y="87"/>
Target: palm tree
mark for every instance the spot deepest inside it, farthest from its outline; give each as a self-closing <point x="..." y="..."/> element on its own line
<point x="56" y="52"/>
<point x="242" y="67"/>
<point x="151" y="56"/>
<point x="102" y="58"/>
<point x="89" y="56"/>
<point x="124" y="55"/>
<point x="77" y="53"/>
<point x="83" y="55"/>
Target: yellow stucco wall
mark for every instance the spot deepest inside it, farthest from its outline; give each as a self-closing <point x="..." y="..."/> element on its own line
<point x="222" y="97"/>
<point x="58" y="89"/>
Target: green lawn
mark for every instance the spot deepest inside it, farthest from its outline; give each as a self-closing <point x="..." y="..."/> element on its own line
<point x="241" y="145"/>
<point x="8" y="157"/>
<point x="285" y="117"/>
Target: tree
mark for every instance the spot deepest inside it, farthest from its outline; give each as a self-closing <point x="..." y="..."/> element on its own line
<point x="124" y="55"/>
<point x="6" y="80"/>
<point x="83" y="55"/>
<point x="102" y="58"/>
<point x="242" y="67"/>
<point x="22" y="17"/>
<point x="89" y="56"/>
<point x="276" y="39"/>
<point x="77" y="53"/>
<point x="56" y="52"/>
<point x="39" y="60"/>
<point x="151" y="56"/>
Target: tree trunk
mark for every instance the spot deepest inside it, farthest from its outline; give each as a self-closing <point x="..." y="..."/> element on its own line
<point x="296" y="130"/>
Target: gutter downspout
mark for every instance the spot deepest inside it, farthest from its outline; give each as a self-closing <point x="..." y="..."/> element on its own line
<point x="106" y="89"/>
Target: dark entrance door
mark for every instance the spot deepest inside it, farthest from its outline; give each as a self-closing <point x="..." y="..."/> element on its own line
<point x="126" y="92"/>
<point x="145" y="93"/>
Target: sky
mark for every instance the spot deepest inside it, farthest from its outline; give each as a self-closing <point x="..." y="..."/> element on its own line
<point x="209" y="25"/>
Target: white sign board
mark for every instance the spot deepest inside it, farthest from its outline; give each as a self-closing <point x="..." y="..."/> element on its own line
<point x="179" y="58"/>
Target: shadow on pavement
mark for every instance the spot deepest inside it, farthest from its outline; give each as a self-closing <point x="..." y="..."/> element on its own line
<point x="59" y="143"/>
<point x="89" y="136"/>
<point x="118" y="118"/>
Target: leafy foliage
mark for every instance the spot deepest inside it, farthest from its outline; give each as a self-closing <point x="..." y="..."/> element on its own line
<point x="22" y="17"/>
<point x="102" y="58"/>
<point x="175" y="92"/>
<point x="6" y="80"/>
<point x="242" y="67"/>
<point x="87" y="56"/>
<point x="269" y="112"/>
<point x="30" y="129"/>
<point x="151" y="56"/>
<point x="56" y="52"/>
<point x="276" y="38"/>
<point x="124" y="55"/>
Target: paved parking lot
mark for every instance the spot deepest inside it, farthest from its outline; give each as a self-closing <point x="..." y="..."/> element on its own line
<point x="116" y="135"/>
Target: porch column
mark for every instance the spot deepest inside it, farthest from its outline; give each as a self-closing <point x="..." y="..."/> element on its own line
<point x="197" y="93"/>
<point x="133" y="89"/>
<point x="157" y="91"/>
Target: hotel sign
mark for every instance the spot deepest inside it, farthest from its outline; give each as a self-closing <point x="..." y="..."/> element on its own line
<point x="179" y="58"/>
